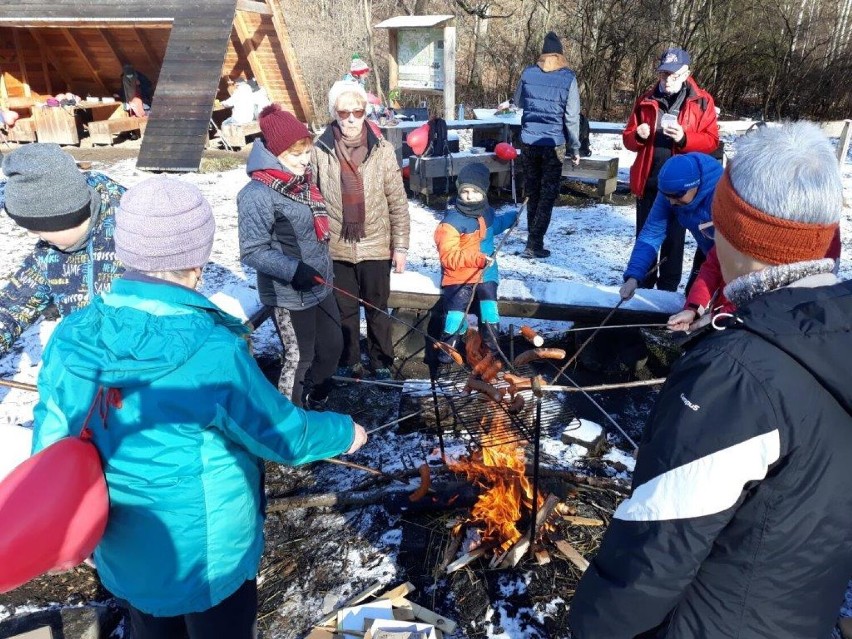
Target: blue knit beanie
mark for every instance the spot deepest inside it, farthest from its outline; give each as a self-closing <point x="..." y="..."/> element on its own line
<point x="679" y="174"/>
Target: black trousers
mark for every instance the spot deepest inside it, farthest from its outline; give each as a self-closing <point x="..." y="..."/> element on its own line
<point x="312" y="340"/>
<point x="665" y="276"/>
<point x="369" y="280"/>
<point x="542" y="175"/>
<point x="233" y="618"/>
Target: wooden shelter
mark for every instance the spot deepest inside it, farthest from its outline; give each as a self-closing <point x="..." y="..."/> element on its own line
<point x="189" y="50"/>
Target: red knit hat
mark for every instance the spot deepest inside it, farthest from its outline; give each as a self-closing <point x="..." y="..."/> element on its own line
<point x="280" y="129"/>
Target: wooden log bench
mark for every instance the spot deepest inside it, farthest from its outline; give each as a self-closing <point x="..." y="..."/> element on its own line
<point x="237" y="135"/>
<point x="425" y="170"/>
<point x="102" y="131"/>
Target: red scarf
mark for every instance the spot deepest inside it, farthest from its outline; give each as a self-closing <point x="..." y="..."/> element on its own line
<point x="301" y="189"/>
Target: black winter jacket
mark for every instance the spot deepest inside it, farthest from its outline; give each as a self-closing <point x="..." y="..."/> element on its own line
<point x="740" y="519"/>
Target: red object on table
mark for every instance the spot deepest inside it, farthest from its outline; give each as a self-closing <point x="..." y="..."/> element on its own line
<point x="505" y="151"/>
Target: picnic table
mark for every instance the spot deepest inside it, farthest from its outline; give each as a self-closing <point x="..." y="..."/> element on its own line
<point x="396" y="134"/>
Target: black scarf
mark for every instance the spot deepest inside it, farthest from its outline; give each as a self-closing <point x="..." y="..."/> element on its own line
<point x="471" y="209"/>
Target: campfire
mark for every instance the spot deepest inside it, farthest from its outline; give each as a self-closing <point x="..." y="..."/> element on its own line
<point x="498" y="469"/>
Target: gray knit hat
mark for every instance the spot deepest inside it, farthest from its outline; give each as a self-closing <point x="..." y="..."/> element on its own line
<point x="163" y="224"/>
<point x="45" y="190"/>
<point x="476" y="175"/>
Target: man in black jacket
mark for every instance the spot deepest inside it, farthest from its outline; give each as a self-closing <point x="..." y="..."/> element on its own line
<point x="739" y="521"/>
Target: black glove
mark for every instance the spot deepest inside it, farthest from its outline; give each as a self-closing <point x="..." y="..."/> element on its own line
<point x="304" y="279"/>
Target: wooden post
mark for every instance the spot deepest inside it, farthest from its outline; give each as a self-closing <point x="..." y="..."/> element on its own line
<point x="393" y="60"/>
<point x="450" y="70"/>
<point x="843" y="142"/>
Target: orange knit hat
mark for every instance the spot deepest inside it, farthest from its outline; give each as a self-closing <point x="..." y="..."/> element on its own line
<point x="767" y="238"/>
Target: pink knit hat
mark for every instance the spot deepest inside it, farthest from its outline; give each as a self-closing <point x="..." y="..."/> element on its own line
<point x="163" y="224"/>
<point x="280" y="129"/>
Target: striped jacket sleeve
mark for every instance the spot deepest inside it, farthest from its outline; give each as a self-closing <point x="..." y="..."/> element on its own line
<point x="713" y="432"/>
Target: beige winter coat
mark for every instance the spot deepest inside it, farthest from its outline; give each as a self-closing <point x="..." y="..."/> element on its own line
<point x="386" y="203"/>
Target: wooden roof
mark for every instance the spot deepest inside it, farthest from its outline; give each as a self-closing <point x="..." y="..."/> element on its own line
<point x="186" y="48"/>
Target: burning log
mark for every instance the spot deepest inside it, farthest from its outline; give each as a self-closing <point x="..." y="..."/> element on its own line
<point x="511" y="557"/>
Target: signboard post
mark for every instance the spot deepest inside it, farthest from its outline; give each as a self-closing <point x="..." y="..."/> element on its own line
<point x="422" y="53"/>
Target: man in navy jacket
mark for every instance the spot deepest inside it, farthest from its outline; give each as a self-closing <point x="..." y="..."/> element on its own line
<point x="548" y="94"/>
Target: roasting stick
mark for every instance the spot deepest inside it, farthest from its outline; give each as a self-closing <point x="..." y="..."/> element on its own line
<point x="11" y="383"/>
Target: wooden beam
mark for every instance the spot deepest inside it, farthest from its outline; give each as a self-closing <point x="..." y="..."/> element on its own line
<point x="155" y="60"/>
<point x="71" y="23"/>
<point x="23" y="67"/>
<point x="112" y="45"/>
<point x="393" y="60"/>
<point x="45" y="70"/>
<point x="292" y="62"/>
<point x="253" y="7"/>
<point x="51" y="56"/>
<point x="79" y="50"/>
<point x="249" y="48"/>
<point x="4" y="93"/>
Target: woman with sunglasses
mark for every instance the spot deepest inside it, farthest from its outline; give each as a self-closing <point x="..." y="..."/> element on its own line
<point x="673" y="117"/>
<point x="358" y="175"/>
<point x="686" y="187"/>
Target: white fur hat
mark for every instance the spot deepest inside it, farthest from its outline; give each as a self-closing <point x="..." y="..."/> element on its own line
<point x="339" y="88"/>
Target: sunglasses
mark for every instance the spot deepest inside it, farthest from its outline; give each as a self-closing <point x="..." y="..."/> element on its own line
<point x="344" y="115"/>
<point x="707" y="230"/>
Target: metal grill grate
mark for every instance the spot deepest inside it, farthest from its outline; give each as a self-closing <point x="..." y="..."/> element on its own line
<point x="492" y="423"/>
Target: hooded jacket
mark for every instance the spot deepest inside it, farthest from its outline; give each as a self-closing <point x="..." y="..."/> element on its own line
<point x="697" y="116"/>
<point x="739" y="520"/>
<point x="387" y="222"/>
<point x="461" y="240"/>
<point x="276" y="233"/>
<point x="183" y="453"/>
<point x="548" y="94"/>
<point x="688" y="216"/>
<point x="67" y="279"/>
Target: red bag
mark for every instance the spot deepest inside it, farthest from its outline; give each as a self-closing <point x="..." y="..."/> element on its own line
<point x="53" y="508"/>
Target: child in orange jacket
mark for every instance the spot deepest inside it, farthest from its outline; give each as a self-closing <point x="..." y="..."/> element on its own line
<point x="465" y="240"/>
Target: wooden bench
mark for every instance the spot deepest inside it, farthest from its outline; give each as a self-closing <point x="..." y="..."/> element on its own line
<point x="424" y="171"/>
<point x="237" y="135"/>
<point x="22" y="131"/>
<point x="101" y="131"/>
<point x="602" y="169"/>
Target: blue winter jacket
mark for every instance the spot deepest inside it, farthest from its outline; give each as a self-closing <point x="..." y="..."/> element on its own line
<point x="689" y="217"/>
<point x="548" y="94"/>
<point x="183" y="453"/>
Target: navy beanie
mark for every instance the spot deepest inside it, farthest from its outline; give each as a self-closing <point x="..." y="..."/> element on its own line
<point x="475" y="175"/>
<point x="679" y="174"/>
<point x="552" y="44"/>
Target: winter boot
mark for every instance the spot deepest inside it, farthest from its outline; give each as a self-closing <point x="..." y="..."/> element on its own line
<point x="489" y="333"/>
<point x="451" y="340"/>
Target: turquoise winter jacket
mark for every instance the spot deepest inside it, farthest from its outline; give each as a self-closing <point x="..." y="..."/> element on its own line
<point x="183" y="453"/>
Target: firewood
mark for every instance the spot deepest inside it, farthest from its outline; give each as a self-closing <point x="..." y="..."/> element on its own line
<point x="582" y="521"/>
<point x="511" y="557"/>
<point x="460" y="492"/>
<point x="572" y="554"/>
<point x="466" y="559"/>
<point x="424" y="614"/>
<point x="542" y="557"/>
<point x="330" y="620"/>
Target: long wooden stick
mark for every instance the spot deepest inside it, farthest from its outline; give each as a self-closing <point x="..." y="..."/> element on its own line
<point x="604" y="387"/>
<point x="11" y="383"/>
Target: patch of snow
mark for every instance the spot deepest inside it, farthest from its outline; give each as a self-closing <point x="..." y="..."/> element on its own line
<point x="584" y="430"/>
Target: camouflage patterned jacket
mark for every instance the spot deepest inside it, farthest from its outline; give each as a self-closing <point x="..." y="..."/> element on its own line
<point x="68" y="280"/>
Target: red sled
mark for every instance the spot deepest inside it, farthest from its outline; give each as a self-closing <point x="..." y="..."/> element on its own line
<point x="53" y="511"/>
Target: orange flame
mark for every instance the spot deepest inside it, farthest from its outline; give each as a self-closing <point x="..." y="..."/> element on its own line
<point x="499" y="470"/>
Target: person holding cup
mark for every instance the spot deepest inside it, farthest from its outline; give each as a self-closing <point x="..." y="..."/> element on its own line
<point x="674" y="116"/>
